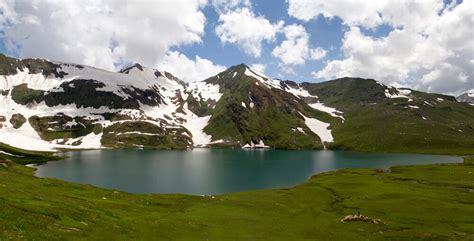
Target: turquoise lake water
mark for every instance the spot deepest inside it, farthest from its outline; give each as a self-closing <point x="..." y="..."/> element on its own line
<point x="213" y="171"/>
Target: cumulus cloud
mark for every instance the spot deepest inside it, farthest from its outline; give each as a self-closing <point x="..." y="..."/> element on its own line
<point x="187" y="69"/>
<point x="244" y="28"/>
<point x="101" y="33"/>
<point x="368" y="13"/>
<point x="295" y="50"/>
<point x="430" y="48"/>
<point x="259" y="68"/>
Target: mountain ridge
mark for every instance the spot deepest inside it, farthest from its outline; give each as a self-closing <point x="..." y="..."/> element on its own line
<point x="60" y="105"/>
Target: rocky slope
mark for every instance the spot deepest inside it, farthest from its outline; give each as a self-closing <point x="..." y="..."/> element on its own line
<point x="48" y="105"/>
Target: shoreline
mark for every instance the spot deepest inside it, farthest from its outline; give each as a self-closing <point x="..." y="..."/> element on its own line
<point x="459" y="160"/>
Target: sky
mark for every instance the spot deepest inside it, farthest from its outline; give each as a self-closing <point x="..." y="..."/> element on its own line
<point x="426" y="45"/>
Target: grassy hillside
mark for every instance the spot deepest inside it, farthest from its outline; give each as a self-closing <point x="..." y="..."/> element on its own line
<point x="420" y="123"/>
<point x="249" y="112"/>
<point x="431" y="202"/>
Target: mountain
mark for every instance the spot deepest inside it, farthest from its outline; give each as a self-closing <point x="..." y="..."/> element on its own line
<point x="467" y="97"/>
<point x="46" y="105"/>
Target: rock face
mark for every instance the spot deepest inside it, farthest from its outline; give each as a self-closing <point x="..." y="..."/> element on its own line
<point x="17" y="120"/>
<point x="47" y="105"/>
<point x="2" y="119"/>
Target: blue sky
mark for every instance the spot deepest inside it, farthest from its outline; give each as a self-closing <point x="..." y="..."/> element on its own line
<point x="398" y="43"/>
<point x="229" y="54"/>
<point x="274" y="11"/>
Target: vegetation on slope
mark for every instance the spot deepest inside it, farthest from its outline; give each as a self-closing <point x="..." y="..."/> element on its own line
<point x="423" y="123"/>
<point x="249" y="112"/>
<point x="23" y="95"/>
<point x="17" y="120"/>
<point x="61" y="127"/>
<point x="10" y="66"/>
<point x="145" y="135"/>
<point x="22" y="156"/>
<point x="430" y="202"/>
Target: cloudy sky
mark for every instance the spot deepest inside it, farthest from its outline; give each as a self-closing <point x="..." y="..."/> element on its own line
<point x="425" y="45"/>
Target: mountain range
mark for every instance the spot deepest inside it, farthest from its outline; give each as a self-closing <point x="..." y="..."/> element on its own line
<point x="47" y="105"/>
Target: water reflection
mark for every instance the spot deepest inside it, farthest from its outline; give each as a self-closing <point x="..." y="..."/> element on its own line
<point x="213" y="171"/>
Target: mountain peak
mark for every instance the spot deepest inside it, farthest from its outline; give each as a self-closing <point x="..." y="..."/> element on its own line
<point x="127" y="69"/>
<point x="467" y="97"/>
<point x="239" y="66"/>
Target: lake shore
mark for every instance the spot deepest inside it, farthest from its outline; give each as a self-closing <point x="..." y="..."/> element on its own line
<point x="214" y="171"/>
<point x="413" y="202"/>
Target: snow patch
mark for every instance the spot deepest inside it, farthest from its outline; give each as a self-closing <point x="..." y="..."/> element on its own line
<point x="196" y="126"/>
<point x="332" y="111"/>
<point x="470" y="93"/>
<point x="298" y="92"/>
<point x="90" y="141"/>
<point x="34" y="81"/>
<point x="261" y="144"/>
<point x="250" y="73"/>
<point x="138" y="133"/>
<point x="6" y="153"/>
<point x="400" y="93"/>
<point x="205" y="90"/>
<point x="270" y="83"/>
<point x="299" y="129"/>
<point x="319" y="128"/>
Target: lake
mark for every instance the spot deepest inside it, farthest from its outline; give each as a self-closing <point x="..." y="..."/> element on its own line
<point x="213" y="171"/>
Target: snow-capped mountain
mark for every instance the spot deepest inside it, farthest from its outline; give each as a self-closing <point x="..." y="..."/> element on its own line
<point x="60" y="105"/>
<point x="467" y="97"/>
<point x="46" y="105"/>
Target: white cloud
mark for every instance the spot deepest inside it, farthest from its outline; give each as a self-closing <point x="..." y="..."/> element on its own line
<point x="102" y="33"/>
<point x="368" y="13"/>
<point x="7" y="14"/>
<point x="295" y="49"/>
<point x="318" y="53"/>
<point x="260" y="68"/>
<point x="243" y="28"/>
<point x="223" y="6"/>
<point x="432" y="50"/>
<point x="187" y="69"/>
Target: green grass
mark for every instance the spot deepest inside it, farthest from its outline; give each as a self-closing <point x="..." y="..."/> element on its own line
<point x="375" y="123"/>
<point x="24" y="157"/>
<point x="123" y="135"/>
<point x="54" y="127"/>
<point x="273" y="118"/>
<point x="23" y="95"/>
<point x="428" y="202"/>
<point x="469" y="160"/>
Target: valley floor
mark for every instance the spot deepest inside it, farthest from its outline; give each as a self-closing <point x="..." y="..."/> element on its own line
<point x="430" y="202"/>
